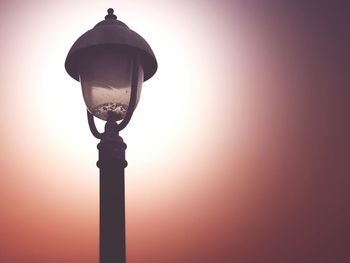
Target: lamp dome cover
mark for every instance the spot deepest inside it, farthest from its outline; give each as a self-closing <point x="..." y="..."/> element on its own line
<point x="110" y="35"/>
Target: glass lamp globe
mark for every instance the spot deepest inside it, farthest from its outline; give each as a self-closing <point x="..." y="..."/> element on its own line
<point x="106" y="79"/>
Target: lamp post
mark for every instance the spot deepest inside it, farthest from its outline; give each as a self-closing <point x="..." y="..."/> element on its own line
<point x="111" y="61"/>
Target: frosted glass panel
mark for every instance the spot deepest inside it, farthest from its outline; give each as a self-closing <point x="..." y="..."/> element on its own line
<point x="106" y="84"/>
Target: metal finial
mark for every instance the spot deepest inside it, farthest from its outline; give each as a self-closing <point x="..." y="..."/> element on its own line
<point x="110" y="15"/>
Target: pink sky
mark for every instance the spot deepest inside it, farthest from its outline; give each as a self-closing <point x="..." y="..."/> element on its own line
<point x="238" y="150"/>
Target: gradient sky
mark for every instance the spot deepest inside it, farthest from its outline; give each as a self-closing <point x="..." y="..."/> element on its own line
<point x="238" y="150"/>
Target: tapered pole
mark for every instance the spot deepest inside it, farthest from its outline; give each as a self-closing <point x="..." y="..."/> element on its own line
<point x="112" y="195"/>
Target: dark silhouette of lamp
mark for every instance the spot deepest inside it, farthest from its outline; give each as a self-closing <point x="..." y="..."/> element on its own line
<point x="111" y="62"/>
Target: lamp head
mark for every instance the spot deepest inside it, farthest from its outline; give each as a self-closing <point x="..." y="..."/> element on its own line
<point x="104" y="60"/>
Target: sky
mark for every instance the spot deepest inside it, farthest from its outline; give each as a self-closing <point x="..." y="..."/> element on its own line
<point x="238" y="151"/>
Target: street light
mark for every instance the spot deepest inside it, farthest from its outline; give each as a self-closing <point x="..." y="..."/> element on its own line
<point x="111" y="62"/>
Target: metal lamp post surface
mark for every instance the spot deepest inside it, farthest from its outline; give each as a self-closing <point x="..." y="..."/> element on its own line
<point x="110" y="60"/>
